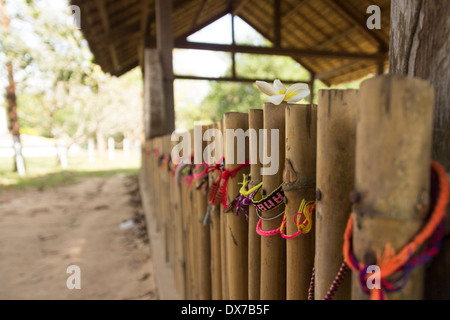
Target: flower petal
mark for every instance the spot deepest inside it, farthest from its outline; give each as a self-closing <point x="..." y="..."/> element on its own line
<point x="266" y="88"/>
<point x="298" y="86"/>
<point x="296" y="89"/>
<point x="279" y="86"/>
<point x="277" y="99"/>
<point x="299" y="96"/>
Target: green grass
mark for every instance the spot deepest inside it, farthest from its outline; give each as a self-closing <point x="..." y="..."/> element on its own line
<point x="45" y="173"/>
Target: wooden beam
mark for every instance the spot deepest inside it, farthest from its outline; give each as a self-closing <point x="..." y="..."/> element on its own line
<point x="233" y="79"/>
<point x="280" y="51"/>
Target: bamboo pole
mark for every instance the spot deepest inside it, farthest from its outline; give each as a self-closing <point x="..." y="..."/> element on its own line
<point x="192" y="205"/>
<point x="237" y="226"/>
<point x="215" y="228"/>
<point x="393" y="155"/>
<point x="335" y="180"/>
<point x="299" y="185"/>
<point x="203" y="237"/>
<point x="223" y="242"/>
<point x="273" y="249"/>
<point x="256" y="122"/>
<point x="187" y="230"/>
<point x="148" y="173"/>
<point x="168" y="200"/>
<point x="159" y="180"/>
<point x="177" y="227"/>
<point x="165" y="198"/>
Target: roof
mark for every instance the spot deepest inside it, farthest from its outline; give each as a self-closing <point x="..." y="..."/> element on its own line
<point x="314" y="30"/>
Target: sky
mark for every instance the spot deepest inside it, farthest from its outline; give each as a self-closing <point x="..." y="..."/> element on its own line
<point x="209" y="63"/>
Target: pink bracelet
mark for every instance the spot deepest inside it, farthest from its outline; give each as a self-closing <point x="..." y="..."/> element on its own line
<point x="266" y="233"/>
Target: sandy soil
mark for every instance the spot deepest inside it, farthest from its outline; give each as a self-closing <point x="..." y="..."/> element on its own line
<point x="43" y="232"/>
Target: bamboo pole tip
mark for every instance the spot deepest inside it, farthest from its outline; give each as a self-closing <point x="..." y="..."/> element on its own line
<point x="391" y="79"/>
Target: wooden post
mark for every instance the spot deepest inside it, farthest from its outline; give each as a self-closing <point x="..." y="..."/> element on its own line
<point x="164" y="45"/>
<point x="336" y="132"/>
<point x="299" y="185"/>
<point x="237" y="226"/>
<point x="273" y="249"/>
<point x="154" y="111"/>
<point x="203" y="237"/>
<point x="393" y="156"/>
<point x="256" y="122"/>
<point x="420" y="42"/>
<point x="215" y="228"/>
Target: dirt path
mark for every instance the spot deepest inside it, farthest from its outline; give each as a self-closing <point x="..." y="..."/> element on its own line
<point x="43" y="232"/>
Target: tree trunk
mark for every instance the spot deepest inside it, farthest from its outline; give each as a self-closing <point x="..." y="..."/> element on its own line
<point x="14" y="127"/>
<point x="420" y="33"/>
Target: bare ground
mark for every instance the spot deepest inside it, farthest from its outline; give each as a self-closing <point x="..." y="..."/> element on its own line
<point x="43" y="232"/>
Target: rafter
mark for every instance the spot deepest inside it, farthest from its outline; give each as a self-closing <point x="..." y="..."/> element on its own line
<point x="106" y="27"/>
<point x="294" y="11"/>
<point x="197" y="15"/>
<point x="238" y="8"/>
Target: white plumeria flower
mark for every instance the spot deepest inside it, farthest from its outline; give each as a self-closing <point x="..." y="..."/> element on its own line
<point x="278" y="92"/>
